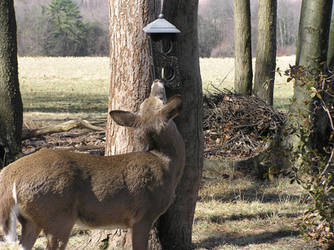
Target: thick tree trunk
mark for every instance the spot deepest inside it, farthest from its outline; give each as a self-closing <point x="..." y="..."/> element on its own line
<point x="130" y="65"/>
<point x="312" y="43"/>
<point x="130" y="79"/>
<point x="266" y="51"/>
<point x="10" y="97"/>
<point x="175" y="226"/>
<point x="311" y="53"/>
<point x="243" y="48"/>
<point x="313" y="33"/>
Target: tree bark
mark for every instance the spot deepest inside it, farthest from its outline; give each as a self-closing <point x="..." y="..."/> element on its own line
<point x="130" y="65"/>
<point x="312" y="49"/>
<point x="312" y="44"/>
<point x="10" y="97"/>
<point x="243" y="48"/>
<point x="130" y="79"/>
<point x="266" y="51"/>
<point x="175" y="226"/>
<point x="313" y="33"/>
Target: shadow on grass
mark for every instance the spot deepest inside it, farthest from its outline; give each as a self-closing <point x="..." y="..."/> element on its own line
<point x="244" y="240"/>
<point x="63" y="102"/>
<point x="221" y="219"/>
<point x="253" y="193"/>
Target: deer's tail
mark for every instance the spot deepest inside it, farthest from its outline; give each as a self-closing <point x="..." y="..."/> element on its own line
<point x="8" y="212"/>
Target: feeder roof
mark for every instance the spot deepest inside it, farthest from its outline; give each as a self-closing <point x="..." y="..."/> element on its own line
<point x="160" y="25"/>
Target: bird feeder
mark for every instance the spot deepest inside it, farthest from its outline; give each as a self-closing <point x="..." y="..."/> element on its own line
<point x="163" y="43"/>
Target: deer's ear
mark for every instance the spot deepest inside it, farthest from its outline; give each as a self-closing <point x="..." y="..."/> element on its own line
<point x="172" y="108"/>
<point x="123" y="118"/>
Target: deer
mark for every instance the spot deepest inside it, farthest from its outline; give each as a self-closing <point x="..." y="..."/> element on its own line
<point x="52" y="190"/>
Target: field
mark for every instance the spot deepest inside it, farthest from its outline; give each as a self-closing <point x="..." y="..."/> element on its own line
<point x="233" y="211"/>
<point x="220" y="73"/>
<point x="80" y="85"/>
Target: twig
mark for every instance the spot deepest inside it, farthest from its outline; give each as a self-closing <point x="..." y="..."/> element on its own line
<point x="328" y="163"/>
<point x="323" y="105"/>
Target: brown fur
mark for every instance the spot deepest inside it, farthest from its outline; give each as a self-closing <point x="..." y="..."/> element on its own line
<point x="56" y="189"/>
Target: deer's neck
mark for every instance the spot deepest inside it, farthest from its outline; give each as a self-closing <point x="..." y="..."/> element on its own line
<point x="170" y="145"/>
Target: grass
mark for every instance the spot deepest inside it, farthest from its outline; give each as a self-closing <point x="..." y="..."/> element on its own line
<point x="237" y="213"/>
<point x="64" y="85"/>
<point x="220" y="73"/>
<point x="80" y="85"/>
<point x="233" y="211"/>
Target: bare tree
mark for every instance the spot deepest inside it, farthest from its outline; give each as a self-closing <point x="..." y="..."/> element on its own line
<point x="10" y="97"/>
<point x="266" y="51"/>
<point x="243" y="47"/>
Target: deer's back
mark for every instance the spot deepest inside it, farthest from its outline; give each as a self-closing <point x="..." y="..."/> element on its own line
<point x="91" y="184"/>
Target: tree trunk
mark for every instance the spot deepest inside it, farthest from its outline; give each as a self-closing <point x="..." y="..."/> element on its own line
<point x="266" y="51"/>
<point x="311" y="53"/>
<point x="175" y="226"/>
<point x="10" y="97"/>
<point x="313" y="33"/>
<point x="130" y="79"/>
<point x="330" y="55"/>
<point x="312" y="44"/>
<point x="243" y="48"/>
<point x="130" y="65"/>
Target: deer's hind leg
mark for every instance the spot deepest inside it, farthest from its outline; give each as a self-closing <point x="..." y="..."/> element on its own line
<point x="29" y="234"/>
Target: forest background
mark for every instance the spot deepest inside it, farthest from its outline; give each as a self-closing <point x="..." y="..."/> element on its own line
<point x="91" y="35"/>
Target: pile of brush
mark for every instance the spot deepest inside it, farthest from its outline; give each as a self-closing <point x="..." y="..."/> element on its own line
<point x="236" y="127"/>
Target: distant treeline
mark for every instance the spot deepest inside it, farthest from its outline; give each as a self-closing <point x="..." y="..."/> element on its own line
<point x="81" y="28"/>
<point x="62" y="27"/>
<point x="216" y="27"/>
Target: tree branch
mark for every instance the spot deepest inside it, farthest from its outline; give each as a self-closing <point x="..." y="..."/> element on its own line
<point x="63" y="127"/>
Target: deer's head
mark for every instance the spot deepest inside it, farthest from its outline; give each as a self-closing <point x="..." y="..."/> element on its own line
<point x="154" y="114"/>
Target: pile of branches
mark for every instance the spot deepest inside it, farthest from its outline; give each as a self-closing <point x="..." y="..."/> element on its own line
<point x="74" y="135"/>
<point x="236" y="127"/>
